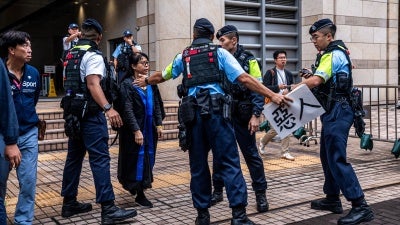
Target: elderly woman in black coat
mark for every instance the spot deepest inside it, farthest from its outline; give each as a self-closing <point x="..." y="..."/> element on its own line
<point x="142" y="114"/>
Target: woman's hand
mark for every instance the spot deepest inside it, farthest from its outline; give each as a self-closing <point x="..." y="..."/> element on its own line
<point x="138" y="137"/>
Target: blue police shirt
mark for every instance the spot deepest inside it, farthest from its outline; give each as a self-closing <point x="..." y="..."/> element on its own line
<point x="332" y="63"/>
<point x="226" y="63"/>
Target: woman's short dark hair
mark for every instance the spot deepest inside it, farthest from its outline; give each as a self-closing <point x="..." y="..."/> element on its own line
<point x="12" y="38"/>
<point x="134" y="60"/>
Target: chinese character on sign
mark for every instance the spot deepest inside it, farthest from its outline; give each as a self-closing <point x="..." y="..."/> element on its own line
<point x="283" y="119"/>
<point x="304" y="108"/>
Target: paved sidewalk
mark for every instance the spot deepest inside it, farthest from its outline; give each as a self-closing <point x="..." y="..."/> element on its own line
<point x="291" y="187"/>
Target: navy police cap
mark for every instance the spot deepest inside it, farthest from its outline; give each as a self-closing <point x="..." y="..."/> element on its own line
<point x="127" y="33"/>
<point x="226" y="30"/>
<point x="321" y="24"/>
<point x="93" y="24"/>
<point x="204" y="24"/>
<point x="73" y="25"/>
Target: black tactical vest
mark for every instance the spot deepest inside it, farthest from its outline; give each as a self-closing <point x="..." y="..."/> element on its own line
<point x="238" y="90"/>
<point x="200" y="64"/>
<point x="73" y="59"/>
<point x="330" y="90"/>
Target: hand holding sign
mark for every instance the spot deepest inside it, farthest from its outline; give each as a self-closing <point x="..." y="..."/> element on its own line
<point x="286" y="119"/>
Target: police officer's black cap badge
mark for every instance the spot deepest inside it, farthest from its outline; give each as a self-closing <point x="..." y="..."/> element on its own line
<point x="321" y="24"/>
<point x="204" y="24"/>
<point x="226" y="30"/>
<point x="127" y="33"/>
<point x="92" y="23"/>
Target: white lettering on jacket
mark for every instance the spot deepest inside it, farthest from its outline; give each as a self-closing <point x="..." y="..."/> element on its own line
<point x="28" y="84"/>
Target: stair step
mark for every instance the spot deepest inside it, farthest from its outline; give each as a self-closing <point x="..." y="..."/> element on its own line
<point x="55" y="138"/>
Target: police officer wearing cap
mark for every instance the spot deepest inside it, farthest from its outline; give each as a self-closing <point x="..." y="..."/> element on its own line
<point x="71" y="39"/>
<point x="331" y="82"/>
<point x="94" y="131"/>
<point x="203" y="66"/>
<point x="122" y="52"/>
<point x="247" y="108"/>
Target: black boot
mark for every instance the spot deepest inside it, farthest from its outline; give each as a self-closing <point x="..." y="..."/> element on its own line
<point x="333" y="205"/>
<point x="142" y="200"/>
<point x="239" y="216"/>
<point x="72" y="207"/>
<point x="217" y="196"/>
<point x="262" y="203"/>
<point x="203" y="217"/>
<point x="357" y="214"/>
<point x="110" y="214"/>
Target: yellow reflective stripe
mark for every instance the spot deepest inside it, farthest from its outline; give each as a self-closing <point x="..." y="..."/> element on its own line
<point x="324" y="69"/>
<point x="167" y="72"/>
<point x="254" y="69"/>
<point x="82" y="47"/>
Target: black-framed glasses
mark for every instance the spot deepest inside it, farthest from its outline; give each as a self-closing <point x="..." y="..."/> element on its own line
<point x="145" y="63"/>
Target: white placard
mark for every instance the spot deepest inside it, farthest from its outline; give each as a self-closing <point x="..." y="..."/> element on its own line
<point x="49" y="69"/>
<point x="304" y="108"/>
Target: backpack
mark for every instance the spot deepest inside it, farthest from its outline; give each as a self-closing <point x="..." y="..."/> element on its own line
<point x="110" y="86"/>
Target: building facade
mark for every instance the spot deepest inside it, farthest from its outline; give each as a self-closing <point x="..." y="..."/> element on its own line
<point x="163" y="28"/>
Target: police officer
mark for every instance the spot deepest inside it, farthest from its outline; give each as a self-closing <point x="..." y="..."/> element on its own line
<point x="202" y="65"/>
<point x="331" y="80"/>
<point x="84" y="80"/>
<point x="245" y="117"/>
<point x="122" y="52"/>
<point x="71" y="39"/>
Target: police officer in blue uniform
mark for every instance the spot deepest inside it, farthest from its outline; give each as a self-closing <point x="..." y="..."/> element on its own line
<point x="204" y="66"/>
<point x="87" y="103"/>
<point x="331" y="82"/>
<point x="247" y="107"/>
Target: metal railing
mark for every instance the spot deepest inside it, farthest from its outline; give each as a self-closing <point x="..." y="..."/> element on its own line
<point x="382" y="106"/>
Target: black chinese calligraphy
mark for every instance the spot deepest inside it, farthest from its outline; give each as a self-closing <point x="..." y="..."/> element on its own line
<point x="284" y="119"/>
<point x="302" y="104"/>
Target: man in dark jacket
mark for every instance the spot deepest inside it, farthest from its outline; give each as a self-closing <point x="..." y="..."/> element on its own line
<point x="24" y="79"/>
<point x="8" y="133"/>
<point x="278" y="79"/>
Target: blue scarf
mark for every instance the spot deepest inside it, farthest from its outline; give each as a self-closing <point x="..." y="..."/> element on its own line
<point x="147" y="99"/>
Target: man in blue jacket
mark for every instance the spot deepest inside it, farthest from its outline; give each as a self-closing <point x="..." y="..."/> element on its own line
<point x="8" y="133"/>
<point x="15" y="47"/>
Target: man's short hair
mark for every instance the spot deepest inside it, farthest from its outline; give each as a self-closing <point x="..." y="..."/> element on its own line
<point x="12" y="38"/>
<point x="277" y="52"/>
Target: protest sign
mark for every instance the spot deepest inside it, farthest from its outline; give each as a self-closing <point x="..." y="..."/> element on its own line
<point x="286" y="119"/>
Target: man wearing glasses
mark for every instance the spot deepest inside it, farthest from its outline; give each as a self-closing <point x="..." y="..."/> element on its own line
<point x="278" y="79"/>
<point x="331" y="82"/>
